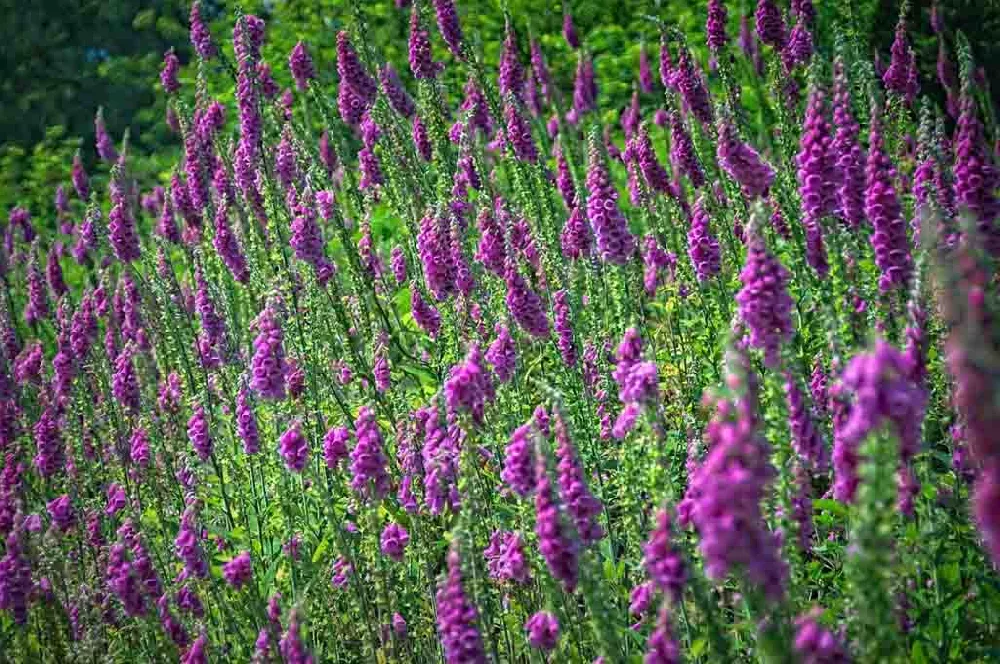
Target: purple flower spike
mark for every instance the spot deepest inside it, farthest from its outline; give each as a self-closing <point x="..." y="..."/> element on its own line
<point x="168" y="75"/>
<point x="451" y="30"/>
<point x="615" y="242"/>
<point x="703" y="247"/>
<point x="847" y="151"/>
<point x="764" y="303"/>
<point x="814" y="644"/>
<point x="457" y="617"/>
<point x="301" y="65"/>
<point x="268" y="366"/>
<point x="294" y="448"/>
<point x="663" y="562"/>
<point x="201" y="38"/>
<point x="369" y="478"/>
<point x="770" y="25"/>
<point x="421" y="62"/>
<point x="742" y="162"/>
<point x="238" y="571"/>
<point x="662" y="647"/>
<point x="394" y="540"/>
<point x="882" y="206"/>
<point x="560" y="551"/>
<point x="543" y="631"/>
<point x="715" y="26"/>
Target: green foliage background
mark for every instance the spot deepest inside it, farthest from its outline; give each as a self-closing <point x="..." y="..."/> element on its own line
<point x="64" y="58"/>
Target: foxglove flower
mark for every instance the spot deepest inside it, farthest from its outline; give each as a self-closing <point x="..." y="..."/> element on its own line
<point x="726" y="493"/>
<point x="518" y="132"/>
<point x="806" y="438"/>
<point x="525" y="305"/>
<point x="397" y="95"/>
<point x="393" y="541"/>
<point x="469" y="385"/>
<point x="502" y="354"/>
<point x="238" y="571"/>
<point x="580" y="503"/>
<point x="847" y="151"/>
<point x="799" y="48"/>
<point x="662" y="647"/>
<point x="335" y="446"/>
<point x="742" y="162"/>
<point x="883" y="392"/>
<point x="121" y="222"/>
<point x="424" y="314"/>
<point x="421" y="61"/>
<point x="569" y="31"/>
<point x="519" y="462"/>
<point x="814" y="644"/>
<point x="451" y="31"/>
<point x="615" y="242"/>
<point x="543" y="631"/>
<point x="457" y="617"/>
<point x="882" y="207"/>
<point x="976" y="176"/>
<point x="81" y="183"/>
<point x="357" y="89"/>
<point x="505" y="559"/>
<point x="369" y="478"/>
<point x="703" y="248"/>
<point x="50" y="451"/>
<point x="433" y="245"/>
<point x="199" y="434"/>
<point x="688" y="79"/>
<point x="770" y="25"/>
<point x="682" y="153"/>
<point x="764" y="303"/>
<point x="558" y="549"/>
<point x="168" y="75"/>
<point x="306" y="240"/>
<point x="301" y="65"/>
<point x="201" y="38"/>
<point x="715" y="26"/>
<point x="663" y="562"/>
<point x="105" y="145"/>
<point x="294" y="448"/>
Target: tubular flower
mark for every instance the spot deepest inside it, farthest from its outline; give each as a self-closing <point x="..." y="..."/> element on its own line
<point x="457" y="617"/>
<point x="580" y="503"/>
<point x="301" y="65"/>
<point x="689" y="81"/>
<point x="770" y="25"/>
<point x="715" y="26"/>
<point x="421" y="62"/>
<point x="525" y="305"/>
<point x="559" y="550"/>
<point x="268" y="365"/>
<point x="615" y="242"/>
<point x="369" y="478"/>
<point x="976" y="177"/>
<point x="726" y="493"/>
<point x="703" y="247"/>
<point x="764" y="303"/>
<point x="451" y="31"/>
<point x="882" y="207"/>
<point x="663" y="562"/>
<point x="742" y="162"/>
<point x="469" y="385"/>
<point x="294" y="448"/>
<point x="847" y="151"/>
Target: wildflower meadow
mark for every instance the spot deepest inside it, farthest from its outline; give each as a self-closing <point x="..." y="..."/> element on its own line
<point x="424" y="349"/>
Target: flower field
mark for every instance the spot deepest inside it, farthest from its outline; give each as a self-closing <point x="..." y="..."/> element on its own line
<point x="457" y="358"/>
